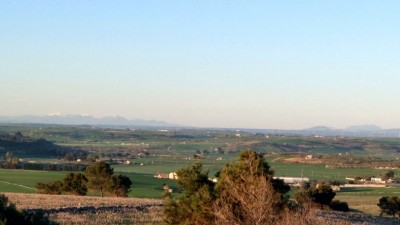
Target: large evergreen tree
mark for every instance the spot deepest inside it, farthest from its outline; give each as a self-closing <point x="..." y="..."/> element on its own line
<point x="99" y="176"/>
<point x="195" y="205"/>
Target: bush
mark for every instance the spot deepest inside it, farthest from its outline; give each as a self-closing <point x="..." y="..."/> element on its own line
<point x="321" y="194"/>
<point x="120" y="185"/>
<point x="51" y="188"/>
<point x="339" y="206"/>
<point x="389" y="205"/>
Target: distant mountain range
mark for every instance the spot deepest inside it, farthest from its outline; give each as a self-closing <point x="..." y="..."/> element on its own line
<point x="84" y="120"/>
<point x="321" y="131"/>
<point x="368" y="130"/>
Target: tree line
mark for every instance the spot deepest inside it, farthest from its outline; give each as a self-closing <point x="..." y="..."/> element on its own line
<point x="98" y="177"/>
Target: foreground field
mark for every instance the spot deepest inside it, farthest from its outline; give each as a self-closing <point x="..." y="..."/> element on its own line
<point x="76" y="210"/>
<point x="84" y="210"/>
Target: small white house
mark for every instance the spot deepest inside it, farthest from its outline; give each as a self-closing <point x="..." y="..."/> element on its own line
<point x="173" y="176"/>
<point x="293" y="180"/>
<point x="308" y="157"/>
<point x="377" y="180"/>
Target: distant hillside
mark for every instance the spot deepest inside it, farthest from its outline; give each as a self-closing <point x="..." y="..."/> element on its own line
<point x="84" y="120"/>
<point x="22" y="146"/>
<point x="351" y="131"/>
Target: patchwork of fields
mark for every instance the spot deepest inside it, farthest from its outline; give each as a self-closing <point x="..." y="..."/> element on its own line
<point x="151" y="152"/>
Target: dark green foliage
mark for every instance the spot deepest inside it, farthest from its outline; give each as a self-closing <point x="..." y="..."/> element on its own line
<point x="220" y="150"/>
<point x="389" y="205"/>
<point x="23" y="145"/>
<point x="321" y="194"/>
<point x="388" y="175"/>
<point x="99" y="176"/>
<point x="75" y="183"/>
<point x="9" y="215"/>
<point x="76" y="154"/>
<point x="37" y="218"/>
<point x="194" y="207"/>
<point x="191" y="179"/>
<point x="120" y="185"/>
<point x="339" y="206"/>
<point x="51" y="166"/>
<point x="51" y="188"/>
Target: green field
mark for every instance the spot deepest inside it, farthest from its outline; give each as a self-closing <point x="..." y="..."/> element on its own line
<point x="154" y="165"/>
<point x="144" y="185"/>
<point x="365" y="199"/>
<point x="320" y="172"/>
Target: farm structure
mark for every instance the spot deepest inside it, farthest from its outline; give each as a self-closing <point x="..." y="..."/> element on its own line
<point x="171" y="176"/>
<point x="293" y="180"/>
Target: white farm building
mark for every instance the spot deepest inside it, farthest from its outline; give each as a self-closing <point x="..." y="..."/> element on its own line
<point x="293" y="180"/>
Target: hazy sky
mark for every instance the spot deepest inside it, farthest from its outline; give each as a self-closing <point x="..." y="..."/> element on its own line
<point x="254" y="64"/>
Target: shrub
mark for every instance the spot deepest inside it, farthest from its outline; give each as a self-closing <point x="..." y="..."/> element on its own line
<point x="321" y="194"/>
<point x="51" y="188"/>
<point x="120" y="185"/>
<point x="339" y="206"/>
<point x="389" y="205"/>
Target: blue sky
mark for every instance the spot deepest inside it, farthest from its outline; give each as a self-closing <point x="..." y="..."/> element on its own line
<point x="254" y="64"/>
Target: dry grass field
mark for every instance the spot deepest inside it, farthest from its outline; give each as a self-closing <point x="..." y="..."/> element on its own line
<point x="365" y="204"/>
<point x="78" y="210"/>
<point x="86" y="210"/>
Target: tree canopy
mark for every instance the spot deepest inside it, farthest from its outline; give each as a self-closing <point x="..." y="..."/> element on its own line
<point x="99" y="176"/>
<point x="75" y="183"/>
